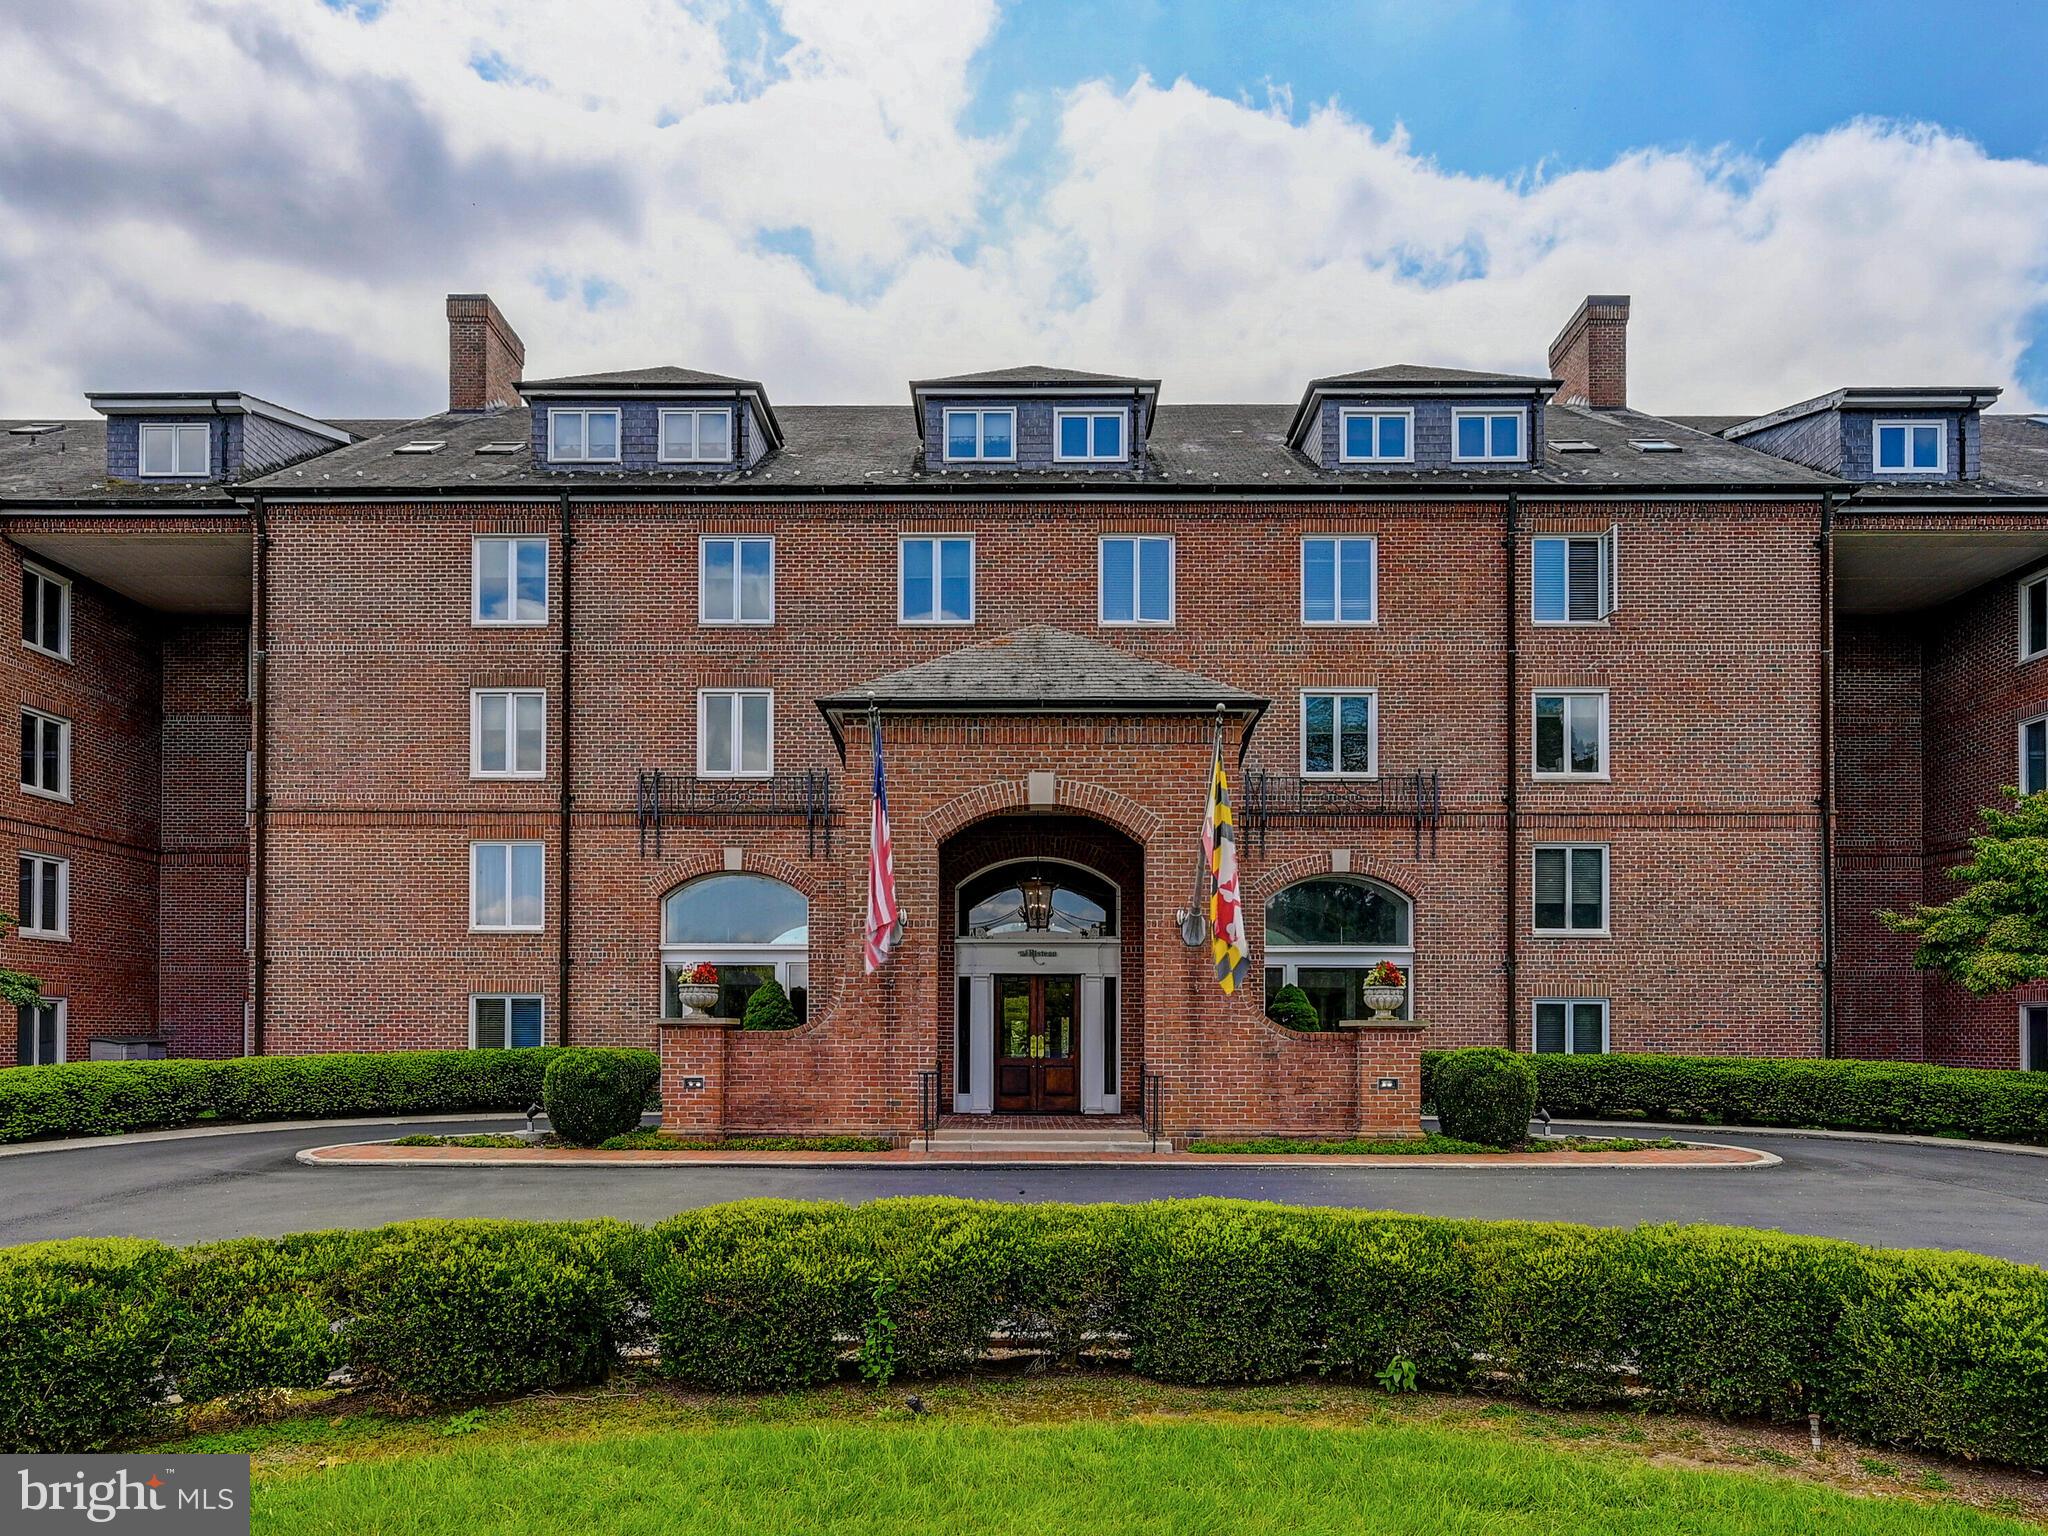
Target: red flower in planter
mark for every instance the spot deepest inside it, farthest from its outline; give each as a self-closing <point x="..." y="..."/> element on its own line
<point x="1385" y="974"/>
<point x="705" y="974"/>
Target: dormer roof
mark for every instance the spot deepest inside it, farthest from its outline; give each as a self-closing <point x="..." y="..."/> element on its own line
<point x="1035" y="380"/>
<point x="664" y="382"/>
<point x="1886" y="398"/>
<point x="212" y="402"/>
<point x="1415" y="381"/>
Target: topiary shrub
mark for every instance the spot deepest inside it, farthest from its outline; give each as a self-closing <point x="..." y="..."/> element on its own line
<point x="592" y="1093"/>
<point x="769" y="1008"/>
<point x="1486" y="1095"/>
<point x="1290" y="1007"/>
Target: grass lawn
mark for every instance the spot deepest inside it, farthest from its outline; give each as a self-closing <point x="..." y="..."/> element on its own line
<point x="1101" y="1454"/>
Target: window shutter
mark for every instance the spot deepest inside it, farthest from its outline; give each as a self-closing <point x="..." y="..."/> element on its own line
<point x="1611" y="563"/>
<point x="1583" y="578"/>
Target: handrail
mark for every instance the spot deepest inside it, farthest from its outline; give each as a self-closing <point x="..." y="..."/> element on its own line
<point x="1154" y="1096"/>
<point x="928" y="1104"/>
<point x="661" y="798"/>
<point x="1416" y="798"/>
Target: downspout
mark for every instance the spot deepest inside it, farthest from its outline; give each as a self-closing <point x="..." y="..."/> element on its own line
<point x="1510" y="540"/>
<point x="566" y="801"/>
<point x="1827" y="774"/>
<point x="259" y="785"/>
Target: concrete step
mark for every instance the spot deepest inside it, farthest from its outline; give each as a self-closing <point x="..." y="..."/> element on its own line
<point x="1080" y="1139"/>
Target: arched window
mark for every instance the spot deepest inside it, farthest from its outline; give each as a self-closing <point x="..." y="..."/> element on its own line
<point x="748" y="926"/>
<point x="1060" y="900"/>
<point x="1323" y="935"/>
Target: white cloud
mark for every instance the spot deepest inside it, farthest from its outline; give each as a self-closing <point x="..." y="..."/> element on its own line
<point x="266" y="195"/>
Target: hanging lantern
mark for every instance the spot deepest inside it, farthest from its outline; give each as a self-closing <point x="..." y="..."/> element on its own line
<point x="1037" y="893"/>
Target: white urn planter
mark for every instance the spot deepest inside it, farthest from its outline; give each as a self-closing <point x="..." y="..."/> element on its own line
<point x="1385" y="1002"/>
<point x="696" y="996"/>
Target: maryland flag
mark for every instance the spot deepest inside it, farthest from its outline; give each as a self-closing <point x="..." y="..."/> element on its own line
<point x="1226" y="908"/>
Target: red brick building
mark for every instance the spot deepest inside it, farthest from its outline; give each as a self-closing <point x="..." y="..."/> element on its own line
<point x="1612" y="730"/>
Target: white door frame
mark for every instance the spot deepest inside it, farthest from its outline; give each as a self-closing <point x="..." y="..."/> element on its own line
<point x="980" y="961"/>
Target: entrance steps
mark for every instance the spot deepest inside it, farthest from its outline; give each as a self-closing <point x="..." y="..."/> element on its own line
<point x="1004" y="1133"/>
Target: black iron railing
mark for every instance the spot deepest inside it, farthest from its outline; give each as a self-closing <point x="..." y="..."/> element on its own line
<point x="1401" y="799"/>
<point x="1152" y="1104"/>
<point x="677" y="799"/>
<point x="928" y="1104"/>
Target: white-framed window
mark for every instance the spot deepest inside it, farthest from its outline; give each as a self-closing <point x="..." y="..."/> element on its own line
<point x="1340" y="579"/>
<point x="2033" y="618"/>
<point x="2034" y="755"/>
<point x="748" y="928"/>
<point x="1569" y="735"/>
<point x="44" y="896"/>
<point x="1091" y="437"/>
<point x="39" y="1032"/>
<point x="1375" y="437"/>
<point x="509" y="581"/>
<point x="1135" y="574"/>
<point x="1911" y="447"/>
<point x="1489" y="437"/>
<point x="1570" y="1026"/>
<point x="45" y="612"/>
<point x="583" y="435"/>
<point x="935" y="579"/>
<point x="507" y="887"/>
<point x="508" y="733"/>
<point x="696" y="436"/>
<point x="981" y="436"/>
<point x="45" y="754"/>
<point x="166" y="449"/>
<point x="1340" y="733"/>
<point x="1570" y="882"/>
<point x="735" y="733"/>
<point x="505" y="1020"/>
<point x="2034" y="1037"/>
<point x="1572" y="577"/>
<point x="735" y="581"/>
<point x="1325" y="935"/>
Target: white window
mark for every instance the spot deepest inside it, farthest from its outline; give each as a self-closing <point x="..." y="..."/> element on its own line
<point x="1325" y="936"/>
<point x="174" y="449"/>
<point x="2034" y="755"/>
<point x="504" y="1020"/>
<point x="735" y="733"/>
<point x="510" y="581"/>
<point x="1136" y="579"/>
<point x="935" y="581"/>
<point x="1489" y="437"/>
<point x="696" y="436"/>
<point x="1339" y="581"/>
<point x="505" y="887"/>
<point x="1571" y="888"/>
<point x="985" y="436"/>
<point x="45" y="754"/>
<point x="1340" y="734"/>
<point x="736" y="581"/>
<point x="508" y="733"/>
<point x="2033" y="1037"/>
<point x="45" y="612"/>
<point x="39" y="1033"/>
<point x="1376" y="437"/>
<point x="1574" y="1026"/>
<point x="2033" y="618"/>
<point x="45" y="896"/>
<point x="749" y="928"/>
<point x="1570" y="735"/>
<point x="1912" y="447"/>
<point x="1089" y="437"/>
<point x="1572" y="578"/>
<point x="584" y="436"/>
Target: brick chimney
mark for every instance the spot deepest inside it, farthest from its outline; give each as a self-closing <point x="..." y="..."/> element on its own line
<point x="485" y="355"/>
<point x="1591" y="354"/>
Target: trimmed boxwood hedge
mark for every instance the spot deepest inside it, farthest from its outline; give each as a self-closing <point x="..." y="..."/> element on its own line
<point x="104" y="1098"/>
<point x="1936" y="1350"/>
<point x="1901" y="1097"/>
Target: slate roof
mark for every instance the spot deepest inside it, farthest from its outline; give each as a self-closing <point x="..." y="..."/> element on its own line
<point x="70" y="466"/>
<point x="1039" y="667"/>
<point x="640" y="378"/>
<point x="1413" y="373"/>
<point x="1029" y="376"/>
<point x="2015" y="463"/>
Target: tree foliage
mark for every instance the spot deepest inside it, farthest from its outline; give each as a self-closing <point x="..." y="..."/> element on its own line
<point x="17" y="990"/>
<point x="1994" y="935"/>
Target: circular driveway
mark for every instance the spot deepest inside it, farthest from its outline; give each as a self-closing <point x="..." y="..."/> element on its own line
<point x="205" y="1187"/>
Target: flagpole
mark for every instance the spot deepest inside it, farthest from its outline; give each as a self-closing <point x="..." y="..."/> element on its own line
<point x="1194" y="920"/>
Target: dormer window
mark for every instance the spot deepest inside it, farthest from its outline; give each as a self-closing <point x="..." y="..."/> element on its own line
<point x="1912" y="447"/>
<point x="981" y="436"/>
<point x="1488" y="437"/>
<point x="1088" y="437"/>
<point x="696" y="436"/>
<point x="1376" y="437"/>
<point x="584" y="436"/>
<point x="181" y="449"/>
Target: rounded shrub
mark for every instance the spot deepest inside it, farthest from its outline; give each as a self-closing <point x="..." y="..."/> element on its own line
<point x="1486" y="1095"/>
<point x="1290" y="1007"/>
<point x="86" y="1323"/>
<point x="592" y="1093"/>
<point x="769" y="1008"/>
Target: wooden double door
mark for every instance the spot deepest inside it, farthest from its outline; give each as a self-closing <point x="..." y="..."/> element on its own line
<point x="1038" y="1030"/>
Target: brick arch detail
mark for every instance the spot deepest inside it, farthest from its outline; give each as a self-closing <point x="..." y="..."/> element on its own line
<point x="1271" y="882"/>
<point x="681" y="871"/>
<point x="1004" y="796"/>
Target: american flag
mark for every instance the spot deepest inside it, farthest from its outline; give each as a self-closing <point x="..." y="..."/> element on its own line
<point x="885" y="920"/>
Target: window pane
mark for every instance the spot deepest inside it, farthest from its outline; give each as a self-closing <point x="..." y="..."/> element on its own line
<point x="1549" y="580"/>
<point x="1358" y="437"/>
<point x="53" y="757"/>
<point x="31" y="591"/>
<point x="995" y="434"/>
<point x="1119" y="580"/>
<point x="718" y="733"/>
<point x="51" y="912"/>
<point x="1471" y="437"/>
<point x="678" y="435"/>
<point x="491" y="732"/>
<point x="531" y="718"/>
<point x="568" y="429"/>
<point x="754" y="732"/>
<point x="25" y="905"/>
<point x="960" y="434"/>
<point x="1337" y="911"/>
<point x="1926" y="447"/>
<point x="1155" y="580"/>
<point x="1507" y="437"/>
<point x="956" y="580"/>
<point x="29" y="738"/>
<point x="714" y="435"/>
<point x="1355" y="735"/>
<point x="533" y="579"/>
<point x="54" y="599"/>
<point x="156" y="450"/>
<point x="490" y="1023"/>
<point x="1585" y="720"/>
<point x="487" y="860"/>
<point x="1074" y="437"/>
<point x="1356" y="572"/>
<point x="526" y="885"/>
<point x="493" y="578"/>
<point x="718" y="581"/>
<point x="917" y="579"/>
<point x="1319" y="580"/>
<point x="525" y="1021"/>
<point x="736" y="909"/>
<point x="1318" y="732"/>
<point x="1583" y="579"/>
<point x="1393" y="437"/>
<point x="1550" y="903"/>
<point x="193" y="443"/>
<point x="603" y="433"/>
<point x="2037" y="1040"/>
<point x="757" y="580"/>
<point x="2034" y="760"/>
<point x="1109" y="437"/>
<point x="1550" y="709"/>
<point x="1589" y="1025"/>
<point x="1588" y="898"/>
<point x="1550" y="1027"/>
<point x="2037" y="617"/>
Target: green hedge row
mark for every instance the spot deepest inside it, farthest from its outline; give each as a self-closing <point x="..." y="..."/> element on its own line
<point x="1942" y="1351"/>
<point x="1897" y="1096"/>
<point x="103" y="1098"/>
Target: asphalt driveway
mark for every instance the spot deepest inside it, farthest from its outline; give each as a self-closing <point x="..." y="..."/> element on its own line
<point x="237" y="1185"/>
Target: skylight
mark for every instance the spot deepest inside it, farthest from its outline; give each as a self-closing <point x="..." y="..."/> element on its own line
<point x="425" y="447"/>
<point x="1652" y="445"/>
<point x="499" y="447"/>
<point x="1574" y="445"/>
<point x="35" y="429"/>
